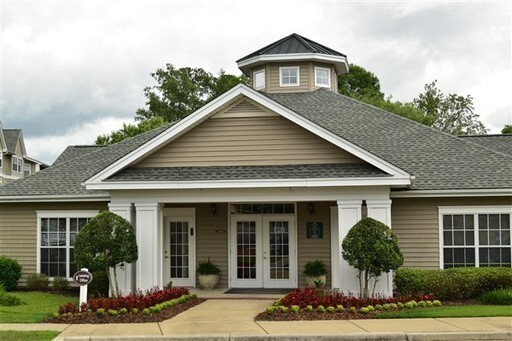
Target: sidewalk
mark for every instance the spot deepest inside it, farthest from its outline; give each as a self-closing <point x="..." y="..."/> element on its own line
<point x="233" y="320"/>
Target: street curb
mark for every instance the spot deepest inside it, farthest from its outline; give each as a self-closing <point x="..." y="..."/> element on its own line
<point x="466" y="336"/>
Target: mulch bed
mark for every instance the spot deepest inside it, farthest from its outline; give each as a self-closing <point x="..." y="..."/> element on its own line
<point x="312" y="315"/>
<point x="93" y="318"/>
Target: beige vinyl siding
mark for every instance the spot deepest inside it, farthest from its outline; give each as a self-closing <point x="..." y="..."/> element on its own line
<point x="415" y="223"/>
<point x="312" y="249"/>
<point x="304" y="77"/>
<point x="266" y="140"/>
<point x="18" y="229"/>
<point x="212" y="238"/>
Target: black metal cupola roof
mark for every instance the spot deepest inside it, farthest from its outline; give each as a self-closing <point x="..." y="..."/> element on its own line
<point x="294" y="48"/>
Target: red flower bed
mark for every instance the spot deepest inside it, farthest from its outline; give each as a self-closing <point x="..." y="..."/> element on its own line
<point x="315" y="297"/>
<point x="139" y="300"/>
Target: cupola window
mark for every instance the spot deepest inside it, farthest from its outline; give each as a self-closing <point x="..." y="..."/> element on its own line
<point x="322" y="77"/>
<point x="259" y="79"/>
<point x="289" y="76"/>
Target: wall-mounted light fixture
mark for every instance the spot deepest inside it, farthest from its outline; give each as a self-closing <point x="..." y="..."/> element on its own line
<point x="311" y="208"/>
<point x="214" y="209"/>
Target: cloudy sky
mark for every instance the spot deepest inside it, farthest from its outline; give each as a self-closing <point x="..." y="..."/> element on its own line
<point x="71" y="70"/>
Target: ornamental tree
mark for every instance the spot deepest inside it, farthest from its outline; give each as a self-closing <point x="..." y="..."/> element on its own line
<point x="106" y="241"/>
<point x="372" y="248"/>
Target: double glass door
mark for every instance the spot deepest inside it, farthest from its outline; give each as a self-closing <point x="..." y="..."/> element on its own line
<point x="263" y="251"/>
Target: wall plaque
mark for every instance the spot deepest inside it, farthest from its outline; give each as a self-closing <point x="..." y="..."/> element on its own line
<point x="315" y="230"/>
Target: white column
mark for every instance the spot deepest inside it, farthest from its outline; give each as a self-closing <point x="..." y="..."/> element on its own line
<point x="380" y="210"/>
<point x="344" y="276"/>
<point x="148" y="273"/>
<point x="126" y="275"/>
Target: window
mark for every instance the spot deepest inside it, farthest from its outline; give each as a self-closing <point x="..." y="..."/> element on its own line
<point x="289" y="76"/>
<point x="26" y="169"/>
<point x="17" y="164"/>
<point x="271" y="208"/>
<point x="56" y="237"/>
<point x="322" y="77"/>
<point x="259" y="79"/>
<point x="475" y="236"/>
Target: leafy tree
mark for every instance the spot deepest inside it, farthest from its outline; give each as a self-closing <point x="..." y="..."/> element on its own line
<point x="359" y="83"/>
<point x="130" y="130"/>
<point x="180" y="92"/>
<point x="507" y="129"/>
<point x="106" y="241"/>
<point x="453" y="114"/>
<point x="372" y="248"/>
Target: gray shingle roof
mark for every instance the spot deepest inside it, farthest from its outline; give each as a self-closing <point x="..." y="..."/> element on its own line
<point x="293" y="43"/>
<point x="11" y="139"/>
<point x="72" y="152"/>
<point x="437" y="160"/>
<point x="320" y="171"/>
<point x="499" y="143"/>
<point x="66" y="178"/>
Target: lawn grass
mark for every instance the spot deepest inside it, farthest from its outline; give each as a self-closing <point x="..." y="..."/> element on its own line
<point x="39" y="335"/>
<point x="37" y="307"/>
<point x="451" y="311"/>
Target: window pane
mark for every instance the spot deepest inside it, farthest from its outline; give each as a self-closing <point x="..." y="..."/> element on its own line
<point x="447" y="236"/>
<point x="494" y="255"/>
<point x="494" y="221"/>
<point x="469" y="223"/>
<point x="448" y="255"/>
<point x="484" y="237"/>
<point x="458" y="238"/>
<point x="458" y="221"/>
<point x="505" y="237"/>
<point x="484" y="256"/>
<point x="470" y="238"/>
<point x="53" y="225"/>
<point x="505" y="255"/>
<point x="482" y="221"/>
<point x="505" y="221"/>
<point x="447" y="222"/>
<point x="470" y="257"/>
<point x="458" y="256"/>
<point x="44" y="225"/>
<point x="494" y="237"/>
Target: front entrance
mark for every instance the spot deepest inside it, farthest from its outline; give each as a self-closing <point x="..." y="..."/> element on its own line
<point x="263" y="251"/>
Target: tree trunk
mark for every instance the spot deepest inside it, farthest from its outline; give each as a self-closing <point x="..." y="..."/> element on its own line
<point x="111" y="285"/>
<point x="115" y="281"/>
<point x="376" y="279"/>
<point x="366" y="284"/>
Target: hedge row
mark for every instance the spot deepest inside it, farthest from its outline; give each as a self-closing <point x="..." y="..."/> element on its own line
<point x="453" y="284"/>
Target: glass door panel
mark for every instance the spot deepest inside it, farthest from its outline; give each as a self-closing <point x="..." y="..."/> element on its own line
<point x="179" y="249"/>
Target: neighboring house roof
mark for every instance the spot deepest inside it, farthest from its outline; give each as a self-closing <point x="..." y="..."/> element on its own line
<point x="64" y="180"/>
<point x="11" y="139"/>
<point x="500" y="143"/>
<point x="72" y="152"/>
<point x="439" y="161"/>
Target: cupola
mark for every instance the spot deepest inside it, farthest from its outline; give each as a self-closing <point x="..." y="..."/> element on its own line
<point x="294" y="64"/>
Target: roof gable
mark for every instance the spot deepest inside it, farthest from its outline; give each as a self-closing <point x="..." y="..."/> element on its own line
<point x="220" y="104"/>
<point x="13" y="138"/>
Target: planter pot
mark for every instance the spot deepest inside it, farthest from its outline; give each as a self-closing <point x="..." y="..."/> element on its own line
<point x="208" y="282"/>
<point x="310" y="280"/>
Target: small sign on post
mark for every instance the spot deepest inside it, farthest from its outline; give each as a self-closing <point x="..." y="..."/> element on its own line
<point x="83" y="278"/>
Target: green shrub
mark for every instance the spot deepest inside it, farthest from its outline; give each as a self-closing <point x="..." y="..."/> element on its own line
<point x="452" y="284"/>
<point x="295" y="308"/>
<point x="340" y="308"/>
<point x="135" y="311"/>
<point x="8" y="300"/>
<point x="60" y="283"/>
<point x="100" y="312"/>
<point x="364" y="310"/>
<point x="309" y="308"/>
<point x="320" y="309"/>
<point x="497" y="297"/>
<point x="331" y="309"/>
<point x="315" y="268"/>
<point x="37" y="281"/>
<point x="99" y="285"/>
<point x="10" y="272"/>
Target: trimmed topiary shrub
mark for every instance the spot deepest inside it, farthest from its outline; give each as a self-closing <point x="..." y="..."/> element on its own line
<point x="37" y="282"/>
<point x="10" y="273"/>
<point x="452" y="284"/>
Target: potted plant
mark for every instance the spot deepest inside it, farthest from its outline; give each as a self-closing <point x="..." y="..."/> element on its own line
<point x="316" y="273"/>
<point x="208" y="275"/>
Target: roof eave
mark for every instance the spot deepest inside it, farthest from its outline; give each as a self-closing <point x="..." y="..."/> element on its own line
<point x="340" y="63"/>
<point x="54" y="198"/>
<point x="478" y="192"/>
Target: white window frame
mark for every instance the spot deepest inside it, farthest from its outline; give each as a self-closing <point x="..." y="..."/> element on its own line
<point x="469" y="210"/>
<point x="283" y="68"/>
<point x="254" y="77"/>
<point x="56" y="215"/>
<point x="317" y="69"/>
<point x="18" y="162"/>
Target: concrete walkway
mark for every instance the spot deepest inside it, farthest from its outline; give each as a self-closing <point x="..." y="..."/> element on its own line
<point x="221" y="319"/>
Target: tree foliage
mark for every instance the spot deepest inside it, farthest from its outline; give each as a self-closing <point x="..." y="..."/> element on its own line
<point x="360" y="83"/>
<point x="453" y="114"/>
<point x="130" y="130"/>
<point x="180" y="92"/>
<point x="106" y="241"/>
<point x="372" y="248"/>
<point x="507" y="129"/>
